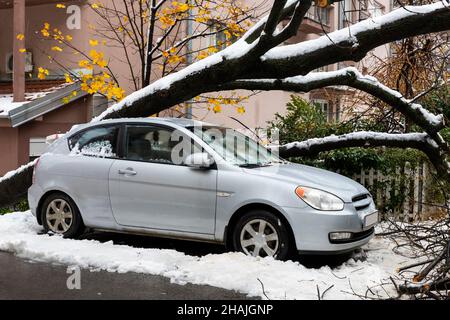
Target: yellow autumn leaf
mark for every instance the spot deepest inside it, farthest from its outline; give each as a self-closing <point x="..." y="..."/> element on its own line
<point x="83" y="63"/>
<point x="102" y="63"/>
<point x="56" y="48"/>
<point x="240" y="110"/>
<point x="22" y="50"/>
<point x="45" y="33"/>
<point x="42" y="73"/>
<point x="20" y="36"/>
<point x="93" y="43"/>
<point x="68" y="78"/>
<point x="60" y="5"/>
<point x="202" y="55"/>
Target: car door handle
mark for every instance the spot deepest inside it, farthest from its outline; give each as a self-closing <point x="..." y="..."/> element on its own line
<point x="127" y="172"/>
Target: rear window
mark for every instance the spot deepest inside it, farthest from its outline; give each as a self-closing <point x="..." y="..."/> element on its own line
<point x="97" y="142"/>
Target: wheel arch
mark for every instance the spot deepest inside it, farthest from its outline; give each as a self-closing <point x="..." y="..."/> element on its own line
<point x="44" y="197"/>
<point x="250" y="207"/>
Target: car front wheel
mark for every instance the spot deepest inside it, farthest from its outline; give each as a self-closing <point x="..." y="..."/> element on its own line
<point x="60" y="215"/>
<point x="262" y="234"/>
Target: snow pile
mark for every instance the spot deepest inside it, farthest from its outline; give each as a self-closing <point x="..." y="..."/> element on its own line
<point x="234" y="271"/>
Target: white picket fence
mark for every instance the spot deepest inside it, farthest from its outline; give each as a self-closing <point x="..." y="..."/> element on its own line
<point x="410" y="181"/>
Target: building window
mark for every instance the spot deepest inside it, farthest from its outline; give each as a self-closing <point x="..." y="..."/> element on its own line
<point x="324" y="105"/>
<point x="37" y="147"/>
<point x="345" y="13"/>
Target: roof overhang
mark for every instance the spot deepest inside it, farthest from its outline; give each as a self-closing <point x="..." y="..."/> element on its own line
<point x="43" y="105"/>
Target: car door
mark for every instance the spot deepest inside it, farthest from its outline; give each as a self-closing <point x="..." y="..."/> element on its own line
<point x="92" y="152"/>
<point x="149" y="190"/>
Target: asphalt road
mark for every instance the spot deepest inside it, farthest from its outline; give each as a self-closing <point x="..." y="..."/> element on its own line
<point x="20" y="279"/>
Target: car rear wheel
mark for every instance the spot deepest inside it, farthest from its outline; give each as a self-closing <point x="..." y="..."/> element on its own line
<point x="262" y="234"/>
<point x="60" y="215"/>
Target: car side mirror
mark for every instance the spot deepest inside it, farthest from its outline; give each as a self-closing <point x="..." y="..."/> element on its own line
<point x="200" y="160"/>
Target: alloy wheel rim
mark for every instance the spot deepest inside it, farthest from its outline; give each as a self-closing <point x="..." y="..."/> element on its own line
<point x="259" y="239"/>
<point x="59" y="216"/>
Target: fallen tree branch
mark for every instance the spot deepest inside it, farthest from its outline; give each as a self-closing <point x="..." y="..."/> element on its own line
<point x="420" y="141"/>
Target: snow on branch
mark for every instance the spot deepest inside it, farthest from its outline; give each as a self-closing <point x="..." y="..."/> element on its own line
<point x="366" y="139"/>
<point x="14" y="184"/>
<point x="353" y="42"/>
<point x="12" y="173"/>
<point x="354" y="139"/>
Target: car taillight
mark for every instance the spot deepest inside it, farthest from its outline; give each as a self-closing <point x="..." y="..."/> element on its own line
<point x="34" y="170"/>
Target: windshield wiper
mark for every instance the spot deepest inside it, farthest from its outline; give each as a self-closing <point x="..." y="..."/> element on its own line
<point x="253" y="165"/>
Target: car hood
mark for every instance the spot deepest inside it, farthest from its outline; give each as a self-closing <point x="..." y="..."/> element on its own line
<point x="343" y="187"/>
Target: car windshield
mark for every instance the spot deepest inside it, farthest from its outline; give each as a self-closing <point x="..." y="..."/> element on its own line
<point x="235" y="147"/>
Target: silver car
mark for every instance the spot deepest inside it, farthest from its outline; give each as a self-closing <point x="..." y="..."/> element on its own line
<point x="185" y="179"/>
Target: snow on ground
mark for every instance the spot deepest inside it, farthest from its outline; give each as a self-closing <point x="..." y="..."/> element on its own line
<point x="234" y="271"/>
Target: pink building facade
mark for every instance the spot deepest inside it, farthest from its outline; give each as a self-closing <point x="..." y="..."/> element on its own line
<point x="75" y="18"/>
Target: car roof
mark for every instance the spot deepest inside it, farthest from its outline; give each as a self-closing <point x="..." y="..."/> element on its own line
<point x="182" y="122"/>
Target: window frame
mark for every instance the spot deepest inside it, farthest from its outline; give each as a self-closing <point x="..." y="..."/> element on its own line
<point x="154" y="125"/>
<point x="118" y="144"/>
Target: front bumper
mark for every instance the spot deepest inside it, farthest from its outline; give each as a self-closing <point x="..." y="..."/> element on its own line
<point x="312" y="228"/>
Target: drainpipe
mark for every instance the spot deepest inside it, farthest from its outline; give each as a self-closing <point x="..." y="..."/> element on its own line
<point x="19" y="57"/>
<point x="189" y="60"/>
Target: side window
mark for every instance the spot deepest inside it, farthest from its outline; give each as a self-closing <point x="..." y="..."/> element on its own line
<point x="96" y="142"/>
<point x="152" y="144"/>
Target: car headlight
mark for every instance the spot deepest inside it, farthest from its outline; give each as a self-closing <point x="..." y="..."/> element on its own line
<point x="319" y="199"/>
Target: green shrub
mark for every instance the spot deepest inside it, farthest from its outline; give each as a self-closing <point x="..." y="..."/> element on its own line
<point x="21" y="206"/>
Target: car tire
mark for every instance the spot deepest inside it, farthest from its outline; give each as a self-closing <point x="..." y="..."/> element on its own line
<point x="60" y="215"/>
<point x="274" y="240"/>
